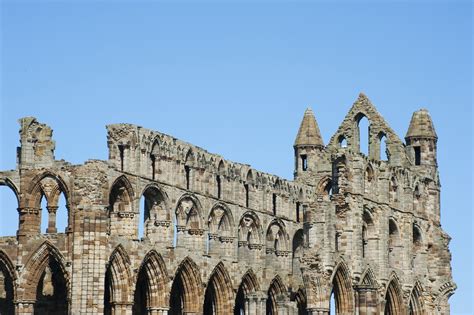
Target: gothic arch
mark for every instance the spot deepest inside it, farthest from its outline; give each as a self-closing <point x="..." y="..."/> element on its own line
<point x="154" y="155"/>
<point x="186" y="291"/>
<point x="250" y="179"/>
<point x="221" y="220"/>
<point x="35" y="189"/>
<point x="156" y="211"/>
<point x="297" y="252"/>
<point x="301" y="303"/>
<point x="190" y="158"/>
<point x="47" y="264"/>
<point x="9" y="183"/>
<point x="121" y="191"/>
<point x="151" y="289"/>
<point x="219" y="295"/>
<point x="393" y="297"/>
<point x="369" y="178"/>
<point x="368" y="278"/>
<point x="276" y="292"/>
<point x="117" y="280"/>
<point x="249" y="285"/>
<point x="189" y="212"/>
<point x="342" y="289"/>
<point x="415" y="306"/>
<point x="325" y="186"/>
<point x="221" y="168"/>
<point x="250" y="230"/>
<point x="7" y="284"/>
<point x="277" y="237"/>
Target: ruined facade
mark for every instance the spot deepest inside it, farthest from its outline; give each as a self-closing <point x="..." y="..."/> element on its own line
<point x="222" y="238"/>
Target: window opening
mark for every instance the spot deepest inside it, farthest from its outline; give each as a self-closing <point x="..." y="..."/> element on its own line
<point x="304" y="162"/>
<point x="417" y="155"/>
<point x="246" y="186"/>
<point x="121" y="149"/>
<point x="188" y="172"/>
<point x="274" y="204"/>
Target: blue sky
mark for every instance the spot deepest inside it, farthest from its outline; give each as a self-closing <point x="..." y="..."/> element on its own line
<point x="235" y="78"/>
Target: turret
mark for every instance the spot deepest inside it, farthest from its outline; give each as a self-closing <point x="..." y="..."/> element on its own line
<point x="308" y="146"/>
<point x="421" y="139"/>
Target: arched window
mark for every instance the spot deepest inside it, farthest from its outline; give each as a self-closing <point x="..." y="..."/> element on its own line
<point x="274" y="204"/>
<point x="189" y="223"/>
<point x="383" y="154"/>
<point x="220" y="225"/>
<point x="417" y="241"/>
<point x="367" y="232"/>
<point x="363" y="127"/>
<point x="393" y="243"/>
<point x="250" y="234"/>
<point x="368" y="180"/>
<point x="8" y="205"/>
<point x="277" y="239"/>
<point x="121" y="208"/>
<point x="342" y="142"/>
<point x="189" y="162"/>
<point x="298" y="244"/>
<point x="393" y="190"/>
<point x="153" y="213"/>
<point x="49" y="193"/>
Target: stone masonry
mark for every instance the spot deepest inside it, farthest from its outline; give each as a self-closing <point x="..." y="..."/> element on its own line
<point x="222" y="238"/>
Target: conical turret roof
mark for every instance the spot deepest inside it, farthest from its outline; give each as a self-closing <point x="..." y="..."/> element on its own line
<point x="421" y="126"/>
<point x="309" y="134"/>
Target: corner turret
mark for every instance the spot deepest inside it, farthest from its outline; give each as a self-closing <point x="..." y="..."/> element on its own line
<point x="421" y="139"/>
<point x="308" y="145"/>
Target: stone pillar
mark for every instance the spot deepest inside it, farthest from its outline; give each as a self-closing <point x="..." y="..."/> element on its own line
<point x="30" y="221"/>
<point x="157" y="310"/>
<point x="122" y="308"/>
<point x="52" y="219"/>
<point x="317" y="311"/>
<point x="24" y="307"/>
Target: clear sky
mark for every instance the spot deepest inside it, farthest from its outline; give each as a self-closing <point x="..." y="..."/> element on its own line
<point x="235" y="78"/>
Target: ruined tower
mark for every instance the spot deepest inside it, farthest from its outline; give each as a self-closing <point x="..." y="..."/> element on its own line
<point x="165" y="227"/>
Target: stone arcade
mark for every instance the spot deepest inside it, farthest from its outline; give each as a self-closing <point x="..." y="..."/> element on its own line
<point x="222" y="238"/>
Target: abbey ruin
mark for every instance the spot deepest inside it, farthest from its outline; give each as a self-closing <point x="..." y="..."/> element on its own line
<point x="222" y="238"/>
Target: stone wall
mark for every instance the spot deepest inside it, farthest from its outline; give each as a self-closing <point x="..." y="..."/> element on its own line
<point x="220" y="237"/>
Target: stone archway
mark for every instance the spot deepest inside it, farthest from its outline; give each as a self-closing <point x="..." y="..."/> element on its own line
<point x="48" y="281"/>
<point x="342" y="290"/>
<point x="151" y="286"/>
<point x="416" y="304"/>
<point x="117" y="283"/>
<point x="244" y="304"/>
<point x="277" y="295"/>
<point x="186" y="291"/>
<point x="7" y="287"/>
<point x="393" y="299"/>
<point x="219" y="296"/>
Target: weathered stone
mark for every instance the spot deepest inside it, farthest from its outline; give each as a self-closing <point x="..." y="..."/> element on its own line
<point x="220" y="237"/>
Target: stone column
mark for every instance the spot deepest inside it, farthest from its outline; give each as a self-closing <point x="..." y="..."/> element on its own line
<point x="30" y="221"/>
<point x="157" y="310"/>
<point x="122" y="308"/>
<point x="24" y="307"/>
<point x="52" y="219"/>
<point x="318" y="311"/>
